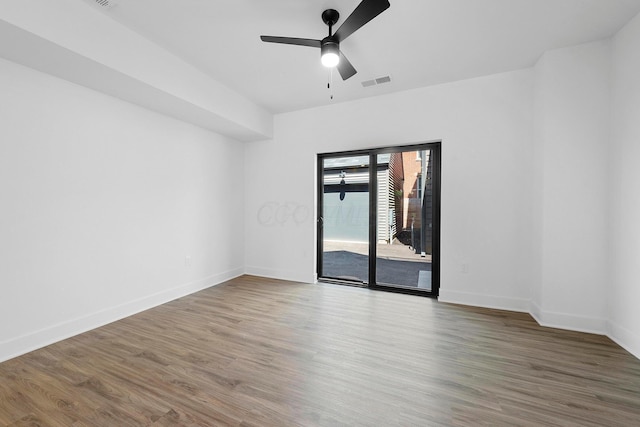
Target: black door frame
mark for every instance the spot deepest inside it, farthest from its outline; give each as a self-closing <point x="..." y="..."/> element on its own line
<point x="435" y="148"/>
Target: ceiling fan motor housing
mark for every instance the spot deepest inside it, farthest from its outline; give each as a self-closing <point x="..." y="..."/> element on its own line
<point x="329" y="45"/>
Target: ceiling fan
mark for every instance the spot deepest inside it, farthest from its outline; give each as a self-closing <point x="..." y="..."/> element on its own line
<point x="330" y="53"/>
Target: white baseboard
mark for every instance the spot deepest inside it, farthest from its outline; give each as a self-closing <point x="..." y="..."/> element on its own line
<point x="37" y="339"/>
<point x="486" y="301"/>
<point x="549" y="319"/>
<point x="571" y="322"/>
<point x="534" y="311"/>
<point x="624" y="338"/>
<point x="23" y="344"/>
<point x="290" y="275"/>
<point x="620" y="335"/>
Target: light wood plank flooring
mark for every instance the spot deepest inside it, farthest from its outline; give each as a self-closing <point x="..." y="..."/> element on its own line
<point x="261" y="352"/>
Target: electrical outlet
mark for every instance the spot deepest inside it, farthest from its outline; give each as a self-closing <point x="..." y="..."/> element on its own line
<point x="187" y="261"/>
<point x="465" y="268"/>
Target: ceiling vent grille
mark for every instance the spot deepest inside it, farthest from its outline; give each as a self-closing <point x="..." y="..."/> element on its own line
<point x="378" y="81"/>
<point x="104" y="4"/>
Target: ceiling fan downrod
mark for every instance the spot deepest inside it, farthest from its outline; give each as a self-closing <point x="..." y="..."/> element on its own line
<point x="330" y="17"/>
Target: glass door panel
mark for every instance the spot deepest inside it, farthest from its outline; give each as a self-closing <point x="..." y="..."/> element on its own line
<point x="344" y="219"/>
<point x="404" y="220"/>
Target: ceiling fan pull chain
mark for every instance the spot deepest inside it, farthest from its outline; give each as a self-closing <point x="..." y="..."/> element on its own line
<point x="329" y="84"/>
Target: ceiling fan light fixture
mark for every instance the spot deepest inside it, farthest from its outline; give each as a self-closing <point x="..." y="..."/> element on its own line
<point x="330" y="60"/>
<point x="330" y="54"/>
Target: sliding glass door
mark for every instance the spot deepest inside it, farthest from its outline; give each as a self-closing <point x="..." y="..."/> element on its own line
<point x="379" y="217"/>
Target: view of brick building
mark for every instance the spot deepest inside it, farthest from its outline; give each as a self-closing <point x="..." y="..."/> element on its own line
<point x="411" y="175"/>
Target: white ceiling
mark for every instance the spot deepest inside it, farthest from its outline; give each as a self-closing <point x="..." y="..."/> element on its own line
<point x="416" y="42"/>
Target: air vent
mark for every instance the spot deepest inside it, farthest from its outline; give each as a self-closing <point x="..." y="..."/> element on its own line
<point x="103" y="4"/>
<point x="378" y="81"/>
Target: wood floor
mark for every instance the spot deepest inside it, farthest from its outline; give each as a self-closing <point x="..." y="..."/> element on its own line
<point x="260" y="352"/>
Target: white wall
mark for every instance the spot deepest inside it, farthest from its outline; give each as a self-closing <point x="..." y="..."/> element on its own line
<point x="571" y="180"/>
<point x="623" y="285"/>
<point x="485" y="126"/>
<point x="101" y="202"/>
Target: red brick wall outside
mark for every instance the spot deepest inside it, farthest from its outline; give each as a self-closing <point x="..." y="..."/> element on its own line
<point x="411" y="204"/>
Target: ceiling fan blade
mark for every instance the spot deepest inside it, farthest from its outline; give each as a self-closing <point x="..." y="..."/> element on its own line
<point x="365" y="12"/>
<point x="291" y="40"/>
<point x="345" y="68"/>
